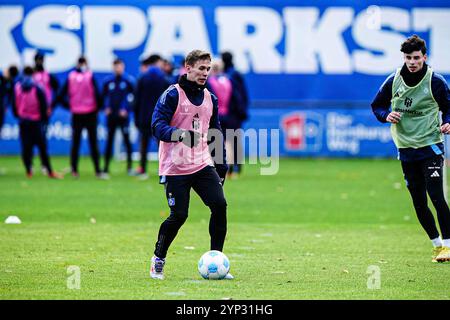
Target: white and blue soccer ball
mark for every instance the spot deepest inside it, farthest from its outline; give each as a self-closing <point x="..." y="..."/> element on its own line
<point x="213" y="265"/>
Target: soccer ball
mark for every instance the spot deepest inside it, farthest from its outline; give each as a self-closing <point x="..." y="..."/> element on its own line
<point x="213" y="265"/>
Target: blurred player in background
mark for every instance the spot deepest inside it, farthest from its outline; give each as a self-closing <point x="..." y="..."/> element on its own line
<point x="150" y="85"/>
<point x="182" y="120"/>
<point x="81" y="95"/>
<point x="49" y="84"/>
<point x="30" y="108"/>
<point x="237" y="113"/>
<point x="117" y="99"/>
<point x="2" y="101"/>
<point x="222" y="87"/>
<point x="11" y="77"/>
<point x="168" y="69"/>
<point x="410" y="99"/>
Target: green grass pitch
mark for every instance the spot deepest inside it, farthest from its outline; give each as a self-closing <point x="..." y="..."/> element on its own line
<point x="313" y="231"/>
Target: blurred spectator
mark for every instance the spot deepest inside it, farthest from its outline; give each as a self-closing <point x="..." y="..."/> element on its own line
<point x="81" y="96"/>
<point x="168" y="69"/>
<point x="11" y="76"/>
<point x="48" y="82"/>
<point x="30" y="107"/>
<point x="237" y="113"/>
<point x="118" y="96"/>
<point x="222" y="87"/>
<point x="2" y="100"/>
<point x="151" y="84"/>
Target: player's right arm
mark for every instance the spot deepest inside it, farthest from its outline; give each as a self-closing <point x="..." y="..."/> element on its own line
<point x="381" y="104"/>
<point x="163" y="113"/>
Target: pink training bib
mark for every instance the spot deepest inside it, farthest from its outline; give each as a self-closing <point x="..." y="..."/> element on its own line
<point x="222" y="88"/>
<point x="81" y="92"/>
<point x="175" y="158"/>
<point x="42" y="78"/>
<point x="27" y="103"/>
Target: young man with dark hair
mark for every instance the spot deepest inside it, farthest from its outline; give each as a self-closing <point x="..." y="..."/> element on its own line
<point x="118" y="95"/>
<point x="150" y="85"/>
<point x="184" y="116"/>
<point x="30" y="107"/>
<point x="410" y="99"/>
<point x="81" y="96"/>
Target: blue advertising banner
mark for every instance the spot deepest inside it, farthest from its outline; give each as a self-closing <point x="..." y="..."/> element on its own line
<point x="327" y="132"/>
<point x="287" y="50"/>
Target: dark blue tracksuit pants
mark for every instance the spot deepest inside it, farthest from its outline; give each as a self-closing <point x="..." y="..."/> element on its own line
<point x="32" y="133"/>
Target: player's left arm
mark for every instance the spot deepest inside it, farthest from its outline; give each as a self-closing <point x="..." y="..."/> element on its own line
<point x="441" y="94"/>
<point x="219" y="163"/>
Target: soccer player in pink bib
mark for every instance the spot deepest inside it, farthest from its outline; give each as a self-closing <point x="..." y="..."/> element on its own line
<point x="81" y="96"/>
<point x="185" y="115"/>
<point x="30" y="107"/>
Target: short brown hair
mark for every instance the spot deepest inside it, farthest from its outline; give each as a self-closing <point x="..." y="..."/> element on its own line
<point x="414" y="43"/>
<point x="197" y="55"/>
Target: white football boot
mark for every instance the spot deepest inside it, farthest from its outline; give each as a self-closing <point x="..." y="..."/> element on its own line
<point x="157" y="268"/>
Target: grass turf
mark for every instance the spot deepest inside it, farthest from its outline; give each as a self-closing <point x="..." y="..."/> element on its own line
<point x="313" y="231"/>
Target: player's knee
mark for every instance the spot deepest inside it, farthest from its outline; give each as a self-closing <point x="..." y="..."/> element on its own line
<point x="436" y="194"/>
<point x="219" y="203"/>
<point x="219" y="207"/>
<point x="178" y="216"/>
<point x="437" y="198"/>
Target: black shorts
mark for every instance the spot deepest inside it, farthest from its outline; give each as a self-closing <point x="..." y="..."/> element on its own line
<point x="423" y="172"/>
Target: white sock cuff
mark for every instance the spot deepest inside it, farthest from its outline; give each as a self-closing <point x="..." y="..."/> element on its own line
<point x="437" y="242"/>
<point x="446" y="243"/>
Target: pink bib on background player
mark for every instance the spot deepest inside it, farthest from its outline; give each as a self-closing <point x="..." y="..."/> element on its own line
<point x="175" y="158"/>
<point x="27" y="103"/>
<point x="42" y="79"/>
<point x="222" y="88"/>
<point x="81" y="92"/>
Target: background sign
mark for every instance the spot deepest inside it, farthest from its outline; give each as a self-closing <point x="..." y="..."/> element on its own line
<point x="311" y="67"/>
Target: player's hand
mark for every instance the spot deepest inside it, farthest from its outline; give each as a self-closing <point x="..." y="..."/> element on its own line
<point x="108" y="111"/>
<point x="189" y="138"/>
<point x="394" y="117"/>
<point x="445" y="128"/>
